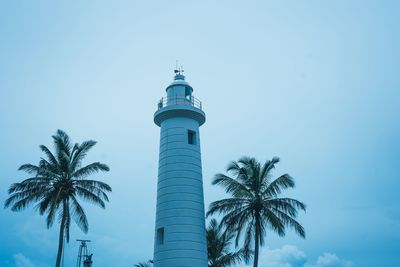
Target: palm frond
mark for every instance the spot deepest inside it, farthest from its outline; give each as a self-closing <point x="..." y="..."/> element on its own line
<point x="52" y="209"/>
<point x="17" y="203"/>
<point x="275" y="187"/>
<point x="79" y="216"/>
<point x="226" y="205"/>
<point x="219" y="247"/>
<point x="249" y="163"/>
<point x="231" y="185"/>
<point x="93" y="189"/>
<point x="90" y="196"/>
<point x="46" y="169"/>
<point x="246" y="161"/>
<point x="51" y="158"/>
<point x="265" y="172"/>
<point x="28" y="184"/>
<point x="273" y="221"/>
<point x="62" y="142"/>
<point x="22" y="198"/>
<point x="62" y="145"/>
<point x="241" y="220"/>
<point x="143" y="264"/>
<point x="90" y="169"/>
<point x="269" y="165"/>
<point x="79" y="152"/>
<point x="93" y="183"/>
<point x="43" y="205"/>
<point x="249" y="235"/>
<point x="29" y="168"/>
<point x="289" y="221"/>
<point x="237" y="170"/>
<point x="287" y="205"/>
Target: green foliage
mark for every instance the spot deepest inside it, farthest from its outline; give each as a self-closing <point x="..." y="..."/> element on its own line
<point x="255" y="205"/>
<point x="144" y="264"/>
<point x="219" y="243"/>
<point x="57" y="182"/>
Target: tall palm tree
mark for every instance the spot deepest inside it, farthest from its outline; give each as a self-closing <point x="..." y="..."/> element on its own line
<point x="255" y="204"/>
<point x="219" y="244"/>
<point x="56" y="184"/>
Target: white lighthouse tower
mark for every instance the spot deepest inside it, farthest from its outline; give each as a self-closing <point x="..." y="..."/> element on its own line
<point x="180" y="236"/>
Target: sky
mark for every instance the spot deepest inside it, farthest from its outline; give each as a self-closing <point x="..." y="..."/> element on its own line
<point x="313" y="82"/>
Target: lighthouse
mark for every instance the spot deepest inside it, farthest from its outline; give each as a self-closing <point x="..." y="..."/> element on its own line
<point x="180" y="236"/>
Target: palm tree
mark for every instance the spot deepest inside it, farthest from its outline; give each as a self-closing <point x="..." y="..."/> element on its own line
<point x="57" y="182"/>
<point x="144" y="264"/>
<point x="218" y="247"/>
<point x="255" y="205"/>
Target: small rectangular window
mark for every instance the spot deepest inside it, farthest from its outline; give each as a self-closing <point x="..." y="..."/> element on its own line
<point x="191" y="137"/>
<point x="160" y="236"/>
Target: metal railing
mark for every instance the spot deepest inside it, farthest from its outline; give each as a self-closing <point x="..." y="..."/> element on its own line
<point x="190" y="101"/>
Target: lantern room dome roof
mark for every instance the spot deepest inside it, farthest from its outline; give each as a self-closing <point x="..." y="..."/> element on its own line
<point x="179" y="80"/>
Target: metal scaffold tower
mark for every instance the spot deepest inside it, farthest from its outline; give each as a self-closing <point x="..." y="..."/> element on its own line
<point x="83" y="256"/>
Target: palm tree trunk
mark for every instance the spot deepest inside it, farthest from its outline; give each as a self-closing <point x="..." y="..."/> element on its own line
<point x="61" y="238"/>
<point x="256" y="241"/>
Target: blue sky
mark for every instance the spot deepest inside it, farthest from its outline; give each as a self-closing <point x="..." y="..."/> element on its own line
<point x="313" y="82"/>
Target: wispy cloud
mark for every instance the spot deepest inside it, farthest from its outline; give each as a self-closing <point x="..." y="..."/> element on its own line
<point x="21" y="260"/>
<point x="331" y="260"/>
<point x="35" y="229"/>
<point x="292" y="256"/>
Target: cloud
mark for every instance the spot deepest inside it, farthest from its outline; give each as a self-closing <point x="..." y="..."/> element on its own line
<point x="331" y="260"/>
<point x="43" y="237"/>
<point x="21" y="261"/>
<point x="287" y="256"/>
<point x="291" y="256"/>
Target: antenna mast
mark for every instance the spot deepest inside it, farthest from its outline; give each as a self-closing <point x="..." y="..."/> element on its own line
<point x="178" y="70"/>
<point x="83" y="254"/>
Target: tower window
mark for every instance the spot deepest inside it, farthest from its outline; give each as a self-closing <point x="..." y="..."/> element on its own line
<point x="191" y="137"/>
<point x="188" y="93"/>
<point x="160" y="236"/>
